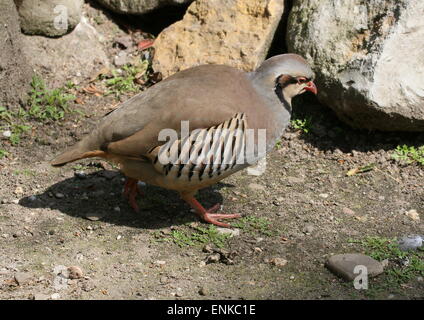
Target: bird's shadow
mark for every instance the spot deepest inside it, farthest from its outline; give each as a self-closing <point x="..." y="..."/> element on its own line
<point x="99" y="194"/>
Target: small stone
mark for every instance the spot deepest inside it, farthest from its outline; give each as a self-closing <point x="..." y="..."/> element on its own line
<point x="202" y="264"/>
<point x="94" y="216"/>
<point x="291" y="277"/>
<point x="343" y="265"/>
<point x="59" y="195"/>
<point x="118" y="237"/>
<point x="117" y="209"/>
<point x="203" y="291"/>
<point x="80" y="175"/>
<point x="278" y="262"/>
<point x="413" y="214"/>
<point x="213" y="258"/>
<point x="7" y="133"/>
<point x="18" y="191"/>
<point x="309" y="229"/>
<point x="22" y="278"/>
<point x="348" y="211"/>
<point x="324" y="195"/>
<point x="230" y="232"/>
<point x="75" y="272"/>
<point x="55" y="296"/>
<point x="411" y="242"/>
<point x="40" y="296"/>
<point x="159" y="262"/>
<point x="257" y="250"/>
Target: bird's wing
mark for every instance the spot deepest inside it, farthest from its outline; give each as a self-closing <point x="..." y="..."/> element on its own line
<point x="205" y="96"/>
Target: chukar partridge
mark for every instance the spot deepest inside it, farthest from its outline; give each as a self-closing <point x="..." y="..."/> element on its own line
<point x="191" y="130"/>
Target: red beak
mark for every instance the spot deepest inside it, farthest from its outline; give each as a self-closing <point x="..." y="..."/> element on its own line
<point x="311" y="87"/>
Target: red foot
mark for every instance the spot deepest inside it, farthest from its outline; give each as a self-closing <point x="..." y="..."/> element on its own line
<point x="130" y="191"/>
<point x="208" y="215"/>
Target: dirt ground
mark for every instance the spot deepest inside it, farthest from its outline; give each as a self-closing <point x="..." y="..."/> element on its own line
<point x="300" y="212"/>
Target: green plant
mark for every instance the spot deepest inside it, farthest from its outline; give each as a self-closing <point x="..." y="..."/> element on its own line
<point x="409" y="154"/>
<point x="45" y="104"/>
<point x="254" y="225"/>
<point x="127" y="79"/>
<point x="17" y="131"/>
<point x="197" y="235"/>
<point x="3" y="153"/>
<point x="404" y="265"/>
<point x="302" y="124"/>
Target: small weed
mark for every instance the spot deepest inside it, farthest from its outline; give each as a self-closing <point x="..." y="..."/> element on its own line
<point x="408" y="155"/>
<point x="302" y="124"/>
<point x="403" y="265"/>
<point x="17" y="131"/>
<point x="47" y="104"/>
<point x="196" y="236"/>
<point x="3" y="153"/>
<point x="255" y="225"/>
<point x="128" y="79"/>
<point x="278" y="144"/>
<point x="25" y="172"/>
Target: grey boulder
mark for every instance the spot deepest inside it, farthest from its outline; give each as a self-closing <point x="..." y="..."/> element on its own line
<point x="344" y="265"/>
<point x="50" y="18"/>
<point x="368" y="57"/>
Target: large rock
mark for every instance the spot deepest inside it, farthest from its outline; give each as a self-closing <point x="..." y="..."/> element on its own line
<point x="15" y="73"/>
<point x="368" y="56"/>
<point x="233" y="32"/>
<point x="75" y="56"/>
<point x="138" y="6"/>
<point x="49" y="17"/>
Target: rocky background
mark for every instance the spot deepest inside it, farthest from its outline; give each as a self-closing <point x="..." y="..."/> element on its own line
<point x="367" y="56"/>
<point x="345" y="180"/>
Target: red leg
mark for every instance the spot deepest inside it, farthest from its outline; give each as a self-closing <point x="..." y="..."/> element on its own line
<point x="206" y="215"/>
<point x="130" y="191"/>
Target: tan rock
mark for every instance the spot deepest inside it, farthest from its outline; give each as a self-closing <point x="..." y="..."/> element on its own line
<point x="233" y="32"/>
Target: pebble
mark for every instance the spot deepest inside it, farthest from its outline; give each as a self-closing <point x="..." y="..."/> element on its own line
<point x="343" y="265"/>
<point x="213" y="258"/>
<point x="55" y="296"/>
<point x="309" y="229"/>
<point x="75" y="272"/>
<point x="203" y="291"/>
<point x="413" y="214"/>
<point x="80" y="175"/>
<point x="278" y="262"/>
<point x="18" y="190"/>
<point x="159" y="262"/>
<point x="118" y="237"/>
<point x="348" y="211"/>
<point x="117" y="209"/>
<point x="22" y="278"/>
<point x="94" y="216"/>
<point x="231" y="232"/>
<point x="324" y="195"/>
<point x="7" y="133"/>
<point x="40" y="296"/>
<point x="59" y="195"/>
<point x="410" y="242"/>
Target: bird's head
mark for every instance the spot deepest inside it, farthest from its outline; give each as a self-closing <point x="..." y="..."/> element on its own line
<point x="288" y="74"/>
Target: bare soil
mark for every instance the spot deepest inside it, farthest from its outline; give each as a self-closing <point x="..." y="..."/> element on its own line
<point x="306" y="207"/>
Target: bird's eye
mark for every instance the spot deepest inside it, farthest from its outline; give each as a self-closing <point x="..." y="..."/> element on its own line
<point x="301" y="80"/>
